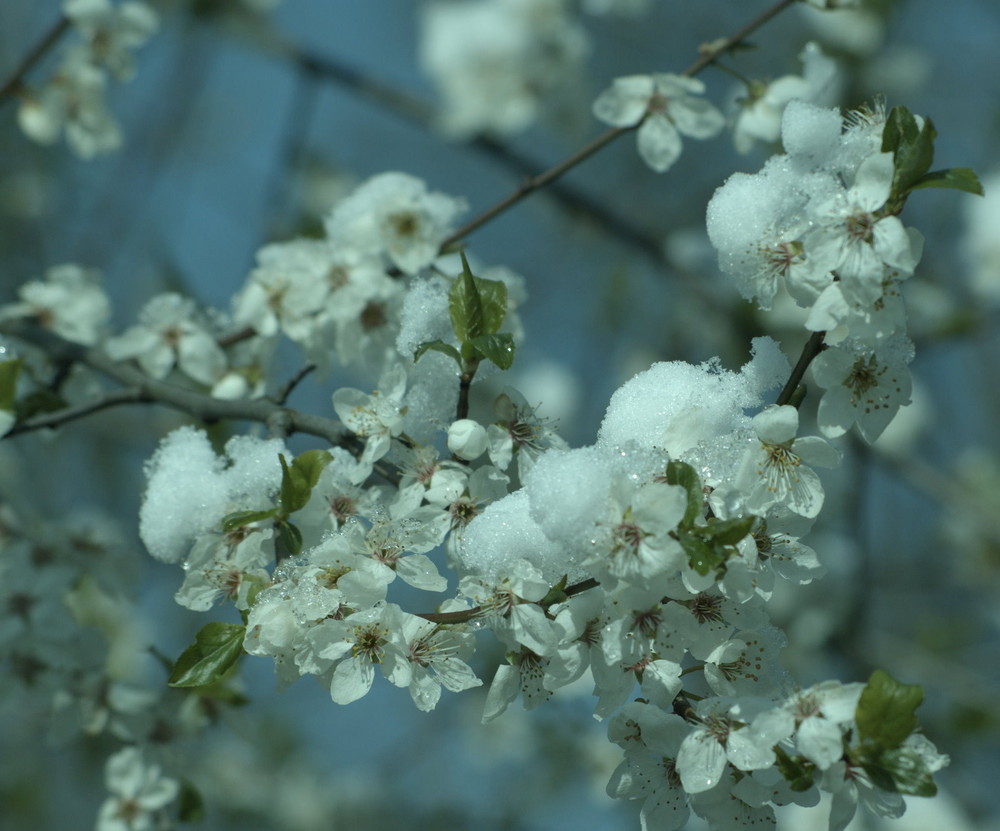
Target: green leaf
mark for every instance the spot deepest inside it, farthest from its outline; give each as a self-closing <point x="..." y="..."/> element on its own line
<point x="681" y="473"/>
<point x="190" y="805"/>
<point x="497" y="348"/>
<point x="909" y="771"/>
<point x="9" y="372"/>
<point x="727" y="531"/>
<point x="955" y="178"/>
<point x="290" y="536"/>
<point x="217" y="647"/>
<point x="886" y="710"/>
<point x="238" y="519"/>
<point x="881" y="778"/>
<point x="798" y="772"/>
<point x="38" y="402"/>
<point x="437" y="346"/>
<point x="299" y="478"/>
<point x="900" y="128"/>
<point x="493" y="296"/>
<point x="311" y="464"/>
<point x="556" y="594"/>
<point x="465" y="306"/>
<point x="702" y="556"/>
<point x="912" y="148"/>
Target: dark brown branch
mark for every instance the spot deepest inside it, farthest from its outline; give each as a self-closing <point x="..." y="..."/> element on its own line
<point x="812" y="348"/>
<point x="711" y="51"/>
<point x="293" y="382"/>
<point x="420" y="113"/>
<point x="709" y="54"/>
<point x="535" y="183"/>
<point x="15" y="83"/>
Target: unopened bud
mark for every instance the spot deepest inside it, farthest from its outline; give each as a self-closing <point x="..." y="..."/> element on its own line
<point x="467" y="439"/>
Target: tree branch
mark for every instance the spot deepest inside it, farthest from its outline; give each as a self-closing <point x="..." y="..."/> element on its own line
<point x="149" y="390"/>
<point x="709" y="54"/>
<point x="15" y="83"/>
<point x="64" y="416"/>
<point x="420" y="113"/>
<point x="812" y="348"/>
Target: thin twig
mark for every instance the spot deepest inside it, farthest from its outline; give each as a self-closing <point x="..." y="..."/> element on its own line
<point x="537" y="182"/>
<point x="712" y="51"/>
<point x="58" y="418"/>
<point x="420" y="113"/>
<point x="15" y="83"/>
<point x="293" y="382"/>
<point x="423" y="115"/>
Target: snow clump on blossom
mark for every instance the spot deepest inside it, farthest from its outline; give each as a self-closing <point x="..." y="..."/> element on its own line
<point x="190" y="489"/>
<point x="816" y="223"/>
<point x="759" y="117"/>
<point x="674" y="406"/>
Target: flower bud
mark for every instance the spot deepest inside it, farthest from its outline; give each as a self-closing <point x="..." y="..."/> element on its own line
<point x="467" y="439"/>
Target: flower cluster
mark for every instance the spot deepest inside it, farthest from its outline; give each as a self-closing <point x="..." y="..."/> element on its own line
<point x="821" y="223"/>
<point x="72" y="100"/>
<point x="638" y="566"/>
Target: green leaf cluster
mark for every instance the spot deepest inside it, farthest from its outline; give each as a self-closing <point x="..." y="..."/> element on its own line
<point x="798" y="771"/>
<point x="477" y="308"/>
<point x="886" y="717"/>
<point x="912" y="146"/>
<point x="297" y="482"/>
<point x="708" y="545"/>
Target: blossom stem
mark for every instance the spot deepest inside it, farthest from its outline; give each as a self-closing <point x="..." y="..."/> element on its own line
<point x="15" y="84"/>
<point x="293" y="382"/>
<point x="464" y="385"/>
<point x="812" y="348"/>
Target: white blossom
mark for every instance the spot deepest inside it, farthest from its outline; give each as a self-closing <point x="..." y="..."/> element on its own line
<point x="467" y="439"/>
<point x="501" y="64"/>
<point x="759" y="118"/>
<point x="70" y="302"/>
<point x="776" y="471"/>
<point x="111" y="31"/>
<point x="863" y="385"/>
<point x="73" y="99"/>
<point x="170" y="333"/>
<point x="139" y="793"/>
<point x="377" y="418"/>
<point x="394" y="214"/>
<point x="664" y="106"/>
